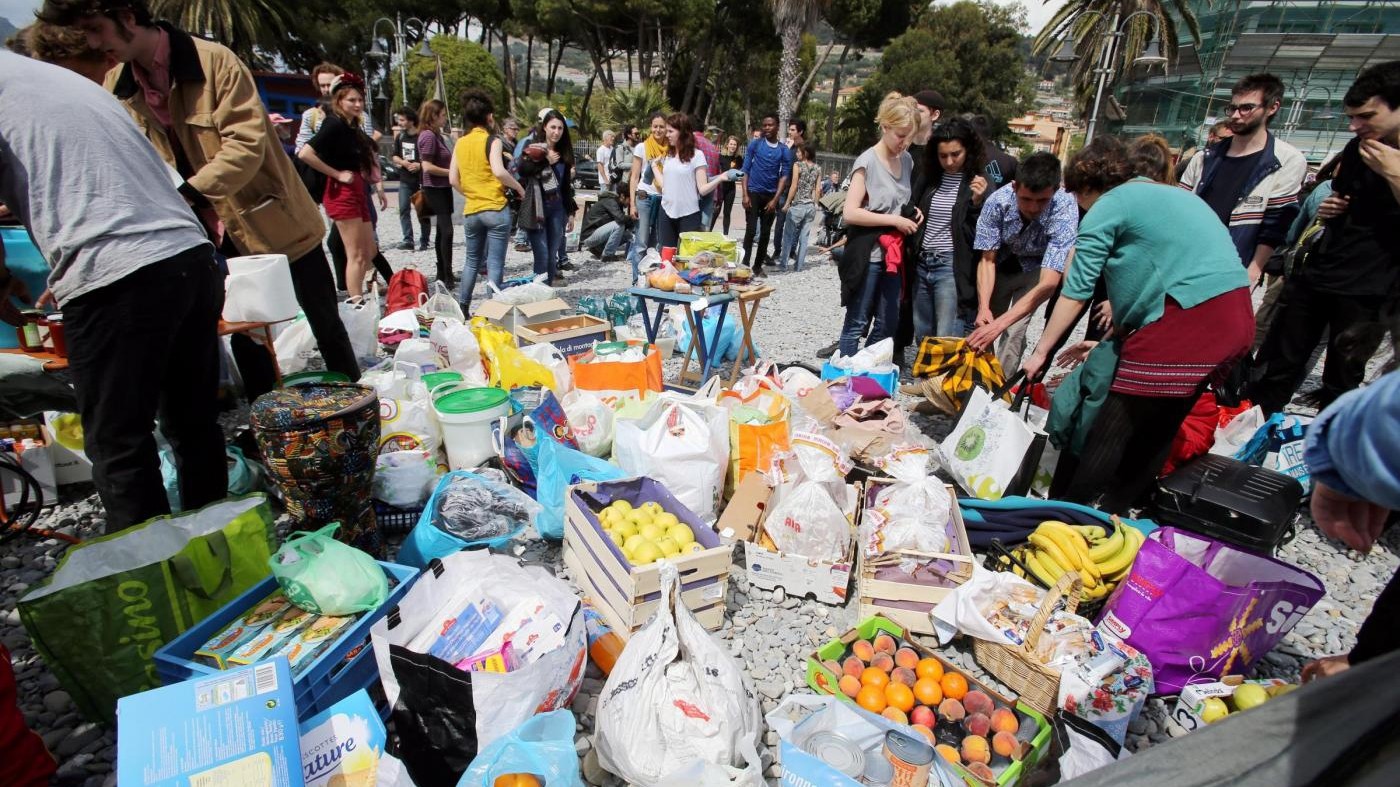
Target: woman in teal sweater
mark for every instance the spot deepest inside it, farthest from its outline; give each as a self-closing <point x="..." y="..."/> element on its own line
<point x="1181" y="314"/>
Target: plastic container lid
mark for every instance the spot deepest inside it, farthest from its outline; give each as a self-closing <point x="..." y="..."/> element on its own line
<point x="836" y="750"/>
<point x="471" y="400"/>
<point x="434" y="379"/>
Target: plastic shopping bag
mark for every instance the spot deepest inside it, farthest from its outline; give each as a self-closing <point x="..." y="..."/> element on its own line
<point x="324" y="576"/>
<point x="418" y="353"/>
<point x="758" y="425"/>
<point x="440" y="304"/>
<point x="559" y="468"/>
<point x="444" y="716"/>
<point x="682" y="443"/>
<point x="722" y="342"/>
<point x="674" y="696"/>
<point x="1278" y="445"/>
<point x="404" y="479"/>
<point x="590" y="421"/>
<point x="912" y="513"/>
<point x="361" y="319"/>
<point x="610" y="370"/>
<point x="295" y="346"/>
<point x="466" y="510"/>
<point x="406" y="418"/>
<point x="811" y="500"/>
<point x="506" y="366"/>
<point x="992" y="452"/>
<point x="457" y="349"/>
<point x="543" y="746"/>
<point x="549" y="356"/>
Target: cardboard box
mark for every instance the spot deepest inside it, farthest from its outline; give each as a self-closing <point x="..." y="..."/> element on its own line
<point x="626" y="595"/>
<point x="238" y="727"/>
<point x="799" y="576"/>
<point x="570" y="335"/>
<point x="889" y="592"/>
<point x="1186" y="714"/>
<point x="342" y="745"/>
<point x="513" y="317"/>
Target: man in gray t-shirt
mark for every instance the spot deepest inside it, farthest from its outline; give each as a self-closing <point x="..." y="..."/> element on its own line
<point x="135" y="277"/>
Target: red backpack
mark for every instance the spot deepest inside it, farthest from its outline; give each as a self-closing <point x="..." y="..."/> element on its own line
<point x="407" y="289"/>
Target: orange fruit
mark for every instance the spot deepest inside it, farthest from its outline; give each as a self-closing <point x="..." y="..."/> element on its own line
<point x="929" y="668"/>
<point x="928" y="692"/>
<point x="517" y="780"/>
<point x="874" y="676"/>
<point x="954" y="685"/>
<point x="900" y="696"/>
<point x="872" y="698"/>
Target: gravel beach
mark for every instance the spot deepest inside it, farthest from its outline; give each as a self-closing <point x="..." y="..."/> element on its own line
<point x="771" y="634"/>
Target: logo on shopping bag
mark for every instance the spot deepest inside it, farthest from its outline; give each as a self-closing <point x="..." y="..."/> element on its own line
<point x="690" y="710"/>
<point x="1234" y="646"/>
<point x="144" y="629"/>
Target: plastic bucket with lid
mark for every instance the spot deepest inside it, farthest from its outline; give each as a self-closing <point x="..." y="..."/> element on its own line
<point x="434" y="379"/>
<point x="314" y="378"/>
<point x="466" y="415"/>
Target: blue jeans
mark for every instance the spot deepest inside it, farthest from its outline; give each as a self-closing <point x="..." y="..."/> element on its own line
<point x="878" y="297"/>
<point x="489" y="231"/>
<point x="935" y="296"/>
<point x="796" y="234"/>
<point x="648" y="207"/>
<point x="547" y="241"/>
<point x="607" y="239"/>
<point x="707" y="209"/>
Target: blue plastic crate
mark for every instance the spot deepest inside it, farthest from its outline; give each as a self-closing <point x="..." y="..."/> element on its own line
<point x="888" y="380"/>
<point x="327" y="680"/>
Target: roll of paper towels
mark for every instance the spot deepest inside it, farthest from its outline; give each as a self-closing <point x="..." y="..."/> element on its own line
<point x="259" y="289"/>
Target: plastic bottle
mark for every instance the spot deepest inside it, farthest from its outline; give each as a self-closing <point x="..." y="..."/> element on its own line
<point x="604" y="645"/>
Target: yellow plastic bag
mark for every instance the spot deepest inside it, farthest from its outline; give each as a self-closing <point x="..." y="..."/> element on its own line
<point x="692" y="243"/>
<point x="506" y="366"/>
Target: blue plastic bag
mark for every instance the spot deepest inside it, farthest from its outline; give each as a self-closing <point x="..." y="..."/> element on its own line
<point x="242" y="475"/>
<point x="731" y="337"/>
<point x="1279" y="445"/>
<point x="559" y="467"/>
<point x="543" y="746"/>
<point x="427" y="540"/>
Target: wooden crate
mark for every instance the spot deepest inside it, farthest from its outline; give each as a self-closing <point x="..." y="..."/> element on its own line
<point x="907" y="602"/>
<point x="627" y="595"/>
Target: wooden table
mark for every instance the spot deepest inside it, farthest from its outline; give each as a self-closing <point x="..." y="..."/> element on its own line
<point x="747" y="302"/>
<point x="695" y="305"/>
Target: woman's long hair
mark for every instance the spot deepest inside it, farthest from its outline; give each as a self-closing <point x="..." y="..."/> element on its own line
<point x="365" y="150"/>
<point x="1151" y="157"/>
<point x="565" y="146"/>
<point x="955" y="129"/>
<point x="685" y="136"/>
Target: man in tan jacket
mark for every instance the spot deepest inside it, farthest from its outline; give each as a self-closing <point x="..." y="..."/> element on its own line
<point x="197" y="104"/>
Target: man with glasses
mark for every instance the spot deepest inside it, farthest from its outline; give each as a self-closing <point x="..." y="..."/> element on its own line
<point x="1251" y="179"/>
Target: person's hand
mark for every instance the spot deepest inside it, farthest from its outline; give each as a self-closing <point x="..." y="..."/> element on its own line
<point x="383" y="200"/>
<point x="413" y="166"/>
<point x="979" y="188"/>
<point x="903" y="226"/>
<point x="983" y="337"/>
<point x="1381" y="158"/>
<point x="1103" y="316"/>
<point x="1333" y="206"/>
<point x="747" y="205"/>
<point x="4" y="211"/>
<point x="1074" y="355"/>
<point x="631" y="209"/>
<point x="984" y="317"/>
<point x="1325" y="667"/>
<point x="1034" y="366"/>
<point x="520" y="192"/>
<point x="1254" y="274"/>
<point x="345" y="177"/>
<point x="552" y="156"/>
<point x="918" y="217"/>
<point x="569" y="225"/>
<point x="13" y="288"/>
<point x="1356" y="523"/>
<point x="771" y="206"/>
<point x="46" y="300"/>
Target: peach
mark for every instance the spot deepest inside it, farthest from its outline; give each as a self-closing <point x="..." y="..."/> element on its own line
<point x="948" y="753"/>
<point x="978" y="702"/>
<point x="1004" y="720"/>
<point x="975" y="749"/>
<point x="834" y="666"/>
<point x="895" y="715"/>
<point x="863" y="650"/>
<point x="983" y="772"/>
<point x="883" y="661"/>
<point x="1005" y="744"/>
<point x="978" y="724"/>
<point x="853" y="667"/>
<point x="951" y="709"/>
<point x="884" y="643"/>
<point x="924" y="730"/>
<point x="906" y="657"/>
<point x="922" y="714"/>
<point x="904" y="675"/>
<point x="850" y="686"/>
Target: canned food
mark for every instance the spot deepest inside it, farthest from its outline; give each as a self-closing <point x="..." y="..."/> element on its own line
<point x="878" y="771"/>
<point x="910" y="757"/>
<point x="836" y="750"/>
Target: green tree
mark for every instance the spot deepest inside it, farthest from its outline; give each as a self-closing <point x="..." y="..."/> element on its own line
<point x="464" y="64"/>
<point x="1089" y="25"/>
<point x="861" y="24"/>
<point x="633" y="106"/>
<point x="245" y="26"/>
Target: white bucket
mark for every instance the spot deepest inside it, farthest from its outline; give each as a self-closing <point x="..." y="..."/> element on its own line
<point x="466" y="414"/>
<point x="259" y="289"/>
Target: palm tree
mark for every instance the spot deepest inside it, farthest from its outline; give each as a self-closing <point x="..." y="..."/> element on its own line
<point x="792" y="18"/>
<point x="245" y="26"/>
<point x="1085" y="24"/>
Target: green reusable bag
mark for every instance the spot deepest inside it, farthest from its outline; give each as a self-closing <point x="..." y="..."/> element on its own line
<point x="327" y="577"/>
<point x="113" y="601"/>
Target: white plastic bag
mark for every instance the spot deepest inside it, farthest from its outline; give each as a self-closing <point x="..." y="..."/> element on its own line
<point x="440" y="304"/>
<point x="798" y="382"/>
<point x="684" y="444"/>
<point x="674" y="696"/>
<point x="295" y="346"/>
<point x="1231" y="437"/>
<point x="457" y="349"/>
<point x="534" y="292"/>
<point x="406" y="418"/>
<point x="591" y="420"/>
<point x="874" y="359"/>
<point x="809" y="515"/>
<point x="911" y="513"/>
<point x="548" y="356"/>
<point x="404" y="479"/>
<point x="361" y="320"/>
<point x="418" y="353"/>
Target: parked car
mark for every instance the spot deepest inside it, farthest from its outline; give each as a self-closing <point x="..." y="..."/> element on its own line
<point x="586" y="174"/>
<point x="387" y="168"/>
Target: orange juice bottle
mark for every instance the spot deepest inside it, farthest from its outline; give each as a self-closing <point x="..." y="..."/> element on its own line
<point x="604" y="645"/>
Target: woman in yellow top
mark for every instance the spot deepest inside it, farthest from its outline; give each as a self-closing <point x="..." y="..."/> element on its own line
<point x="479" y="173"/>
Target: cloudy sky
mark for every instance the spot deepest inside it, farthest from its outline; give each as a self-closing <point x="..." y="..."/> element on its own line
<point x="19" y="11"/>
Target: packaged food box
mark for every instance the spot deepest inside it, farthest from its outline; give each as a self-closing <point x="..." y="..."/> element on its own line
<point x="467" y="632"/>
<point x="570" y="335"/>
<point x="302" y="649"/>
<point x="341" y="746"/>
<point x="245" y="627"/>
<point x="286" y="626"/>
<point x="510" y="316"/>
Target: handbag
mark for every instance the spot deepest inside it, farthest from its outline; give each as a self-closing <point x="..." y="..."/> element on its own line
<point x="114" y="600"/>
<point x="419" y="201"/>
<point x="992" y="452"/>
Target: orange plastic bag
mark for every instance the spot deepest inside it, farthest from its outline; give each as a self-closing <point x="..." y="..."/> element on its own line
<point x="616" y="380"/>
<point x="752" y="445"/>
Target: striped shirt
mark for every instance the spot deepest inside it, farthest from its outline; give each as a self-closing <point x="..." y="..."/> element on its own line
<point x="938" y="234"/>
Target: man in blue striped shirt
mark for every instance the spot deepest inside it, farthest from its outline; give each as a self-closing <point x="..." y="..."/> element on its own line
<point x="767" y="164"/>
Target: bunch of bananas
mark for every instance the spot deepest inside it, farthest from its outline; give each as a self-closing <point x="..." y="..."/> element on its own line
<point x="1100" y="557"/>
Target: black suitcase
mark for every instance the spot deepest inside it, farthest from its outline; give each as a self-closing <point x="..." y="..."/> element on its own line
<point x="1226" y="499"/>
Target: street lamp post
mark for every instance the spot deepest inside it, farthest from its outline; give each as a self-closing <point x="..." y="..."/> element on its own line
<point x="1295" y="112"/>
<point x="1151" y="56"/>
<point x="399" y="43"/>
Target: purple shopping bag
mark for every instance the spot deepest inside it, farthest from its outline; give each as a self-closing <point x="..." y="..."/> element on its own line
<point x="1201" y="608"/>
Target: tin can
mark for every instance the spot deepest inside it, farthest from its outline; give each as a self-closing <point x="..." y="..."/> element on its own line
<point x="836" y="750"/>
<point x="910" y="757"/>
<point x="878" y="770"/>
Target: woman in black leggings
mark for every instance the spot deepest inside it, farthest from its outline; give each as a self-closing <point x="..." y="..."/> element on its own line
<point x="435" y="153"/>
<point x="731" y="158"/>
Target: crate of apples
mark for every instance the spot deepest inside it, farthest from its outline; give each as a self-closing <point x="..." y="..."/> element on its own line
<point x="647" y="533"/>
<point x="879" y="669"/>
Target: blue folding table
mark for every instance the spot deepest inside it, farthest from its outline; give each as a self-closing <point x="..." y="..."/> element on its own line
<point x="695" y="306"/>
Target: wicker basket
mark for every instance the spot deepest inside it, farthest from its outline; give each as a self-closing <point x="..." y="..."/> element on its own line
<point x="1017" y="666"/>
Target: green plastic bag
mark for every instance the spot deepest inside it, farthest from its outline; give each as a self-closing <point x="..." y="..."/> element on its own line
<point x="327" y="577"/>
<point x="113" y="601"/>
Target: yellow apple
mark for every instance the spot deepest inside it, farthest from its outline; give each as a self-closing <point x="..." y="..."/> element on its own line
<point x="1213" y="710"/>
<point x="666" y="520"/>
<point x="626" y="528"/>
<point x="668" y="546"/>
<point x="646" y="553"/>
<point x="681" y="533"/>
<point x="651" y="532"/>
